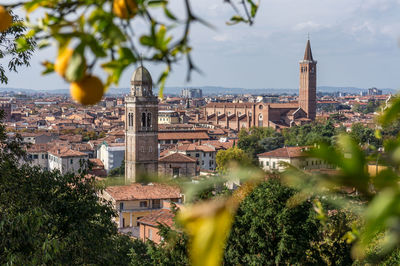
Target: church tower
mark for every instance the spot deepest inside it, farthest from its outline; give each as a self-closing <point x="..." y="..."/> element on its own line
<point x="308" y="83"/>
<point x="141" y="127"/>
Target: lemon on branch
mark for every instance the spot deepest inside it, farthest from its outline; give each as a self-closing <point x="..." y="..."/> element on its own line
<point x="125" y="9"/>
<point x="87" y="91"/>
<point x="5" y="19"/>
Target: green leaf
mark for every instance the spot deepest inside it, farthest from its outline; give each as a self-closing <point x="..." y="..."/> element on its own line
<point x="147" y="40"/>
<point x="76" y="65"/>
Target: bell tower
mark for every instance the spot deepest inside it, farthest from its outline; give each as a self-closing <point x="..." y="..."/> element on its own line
<point x="308" y="84"/>
<point x="141" y="127"/>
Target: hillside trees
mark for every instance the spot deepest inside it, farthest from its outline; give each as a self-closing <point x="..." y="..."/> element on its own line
<point x="258" y="140"/>
<point x="270" y="229"/>
<point x="225" y="158"/>
<point x="49" y="218"/>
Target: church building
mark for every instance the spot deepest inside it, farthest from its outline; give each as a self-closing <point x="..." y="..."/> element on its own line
<point x="275" y="115"/>
<point x="141" y="127"/>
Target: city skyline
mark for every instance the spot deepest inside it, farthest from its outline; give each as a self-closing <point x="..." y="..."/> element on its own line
<point x="355" y="43"/>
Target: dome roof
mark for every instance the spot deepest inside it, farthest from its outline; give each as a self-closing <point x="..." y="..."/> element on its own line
<point x="141" y="74"/>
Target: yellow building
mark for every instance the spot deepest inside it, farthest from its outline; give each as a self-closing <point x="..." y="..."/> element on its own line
<point x="134" y="201"/>
<point x="168" y="117"/>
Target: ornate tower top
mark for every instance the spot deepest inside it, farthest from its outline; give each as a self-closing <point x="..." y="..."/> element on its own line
<point x="141" y="82"/>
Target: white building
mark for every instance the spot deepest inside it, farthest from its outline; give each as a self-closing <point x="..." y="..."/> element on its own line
<point x="66" y="160"/>
<point x="272" y="160"/>
<point x="204" y="154"/>
<point x="111" y="154"/>
<point x="38" y="156"/>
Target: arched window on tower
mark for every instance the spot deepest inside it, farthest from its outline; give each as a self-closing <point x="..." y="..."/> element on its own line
<point x="143" y="119"/>
<point x="148" y="119"/>
<point x="260" y="120"/>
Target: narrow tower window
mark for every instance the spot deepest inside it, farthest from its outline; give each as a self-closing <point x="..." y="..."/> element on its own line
<point x="149" y="119"/>
<point x="143" y="119"/>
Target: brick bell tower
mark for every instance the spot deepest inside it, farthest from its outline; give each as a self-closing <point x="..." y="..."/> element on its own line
<point x="141" y="127"/>
<point x="308" y="83"/>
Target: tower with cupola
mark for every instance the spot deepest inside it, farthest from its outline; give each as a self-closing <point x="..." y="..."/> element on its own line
<point x="141" y="127"/>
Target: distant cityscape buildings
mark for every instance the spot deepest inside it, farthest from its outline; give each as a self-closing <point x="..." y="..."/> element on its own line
<point x="266" y="113"/>
<point x="192" y="93"/>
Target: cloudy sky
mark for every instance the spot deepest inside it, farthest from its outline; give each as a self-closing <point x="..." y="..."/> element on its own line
<point x="356" y="43"/>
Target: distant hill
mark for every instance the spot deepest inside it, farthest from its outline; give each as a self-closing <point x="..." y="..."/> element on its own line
<point x="207" y="90"/>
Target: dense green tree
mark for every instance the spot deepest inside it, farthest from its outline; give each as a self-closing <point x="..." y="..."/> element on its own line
<point x="232" y="155"/>
<point x="370" y="107"/>
<point x="50" y="218"/>
<point x="364" y="135"/>
<point x="268" y="232"/>
<point x="119" y="171"/>
<point x="257" y="140"/>
<point x="310" y="134"/>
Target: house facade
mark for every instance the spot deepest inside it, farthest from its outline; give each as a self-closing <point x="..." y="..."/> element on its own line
<point x="111" y="154"/>
<point x="66" y="160"/>
<point x="275" y="160"/>
<point x="135" y="201"/>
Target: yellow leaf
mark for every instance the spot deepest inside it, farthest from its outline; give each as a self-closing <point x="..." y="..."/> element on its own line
<point x="208" y="225"/>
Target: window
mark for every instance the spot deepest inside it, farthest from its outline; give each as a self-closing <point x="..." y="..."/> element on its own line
<point x="143" y="204"/>
<point x="137" y="220"/>
<point x="197" y="155"/>
<point x="35" y="156"/>
<point x="42" y="156"/>
<point x="175" y="171"/>
<point x="150" y="149"/>
<point x="273" y="165"/>
<point x="149" y="120"/>
<point x="267" y="163"/>
<point x="121" y="205"/>
<point x="262" y="164"/>
<point x="143" y="119"/>
<point x="156" y="204"/>
<point x="202" y="162"/>
<point x="71" y="161"/>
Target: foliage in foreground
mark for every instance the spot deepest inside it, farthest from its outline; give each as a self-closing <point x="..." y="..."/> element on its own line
<point x="49" y="218"/>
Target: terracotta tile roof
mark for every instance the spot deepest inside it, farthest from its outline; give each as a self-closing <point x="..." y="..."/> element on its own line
<point x="229" y="105"/>
<point x="163" y="216"/>
<point x="182" y="135"/>
<point x="38" y="147"/>
<point x="66" y="152"/>
<point x="177" y="158"/>
<point x="141" y="192"/>
<point x="285" y="152"/>
<point x="195" y="147"/>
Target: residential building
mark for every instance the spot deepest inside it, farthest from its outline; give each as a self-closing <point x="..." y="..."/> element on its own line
<point x="111" y="155"/>
<point x="66" y="160"/>
<point x="275" y="160"/>
<point x="168" y="117"/>
<point x="134" y="201"/>
<point x="176" y="165"/>
<point x="148" y="225"/>
<point x="38" y="155"/>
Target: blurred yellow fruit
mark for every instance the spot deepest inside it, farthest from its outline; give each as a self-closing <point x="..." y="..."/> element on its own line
<point x="87" y="91"/>
<point x="62" y="61"/>
<point x="125" y="8"/>
<point x="5" y="19"/>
